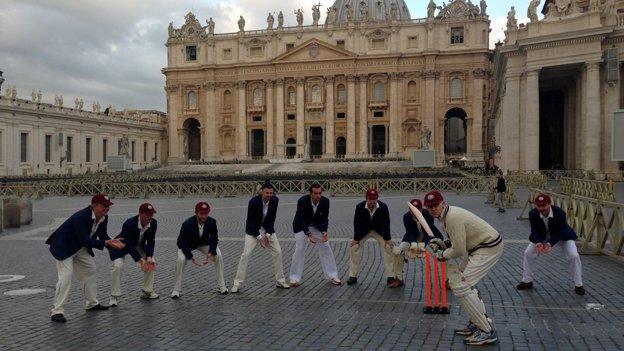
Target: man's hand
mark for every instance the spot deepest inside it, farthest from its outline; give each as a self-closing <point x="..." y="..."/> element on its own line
<point x="115" y="243"/>
<point x="437" y="244"/>
<point x="142" y="265"/>
<point x="389" y="245"/>
<point x="195" y="262"/>
<point x="325" y="237"/>
<point x="355" y="243"/>
<point x="546" y="249"/>
<point x="311" y="239"/>
<point x="439" y="255"/>
<point x="264" y="241"/>
<point x="209" y="259"/>
<point x="539" y="248"/>
<point x="150" y="265"/>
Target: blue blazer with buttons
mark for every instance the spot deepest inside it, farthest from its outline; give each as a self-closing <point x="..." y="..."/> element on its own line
<point x="412" y="231"/>
<point x="363" y="223"/>
<point x="305" y="215"/>
<point x="254" y="216"/>
<point x="557" y="226"/>
<point x="189" y="238"/>
<point x="130" y="233"/>
<point x="75" y="233"/>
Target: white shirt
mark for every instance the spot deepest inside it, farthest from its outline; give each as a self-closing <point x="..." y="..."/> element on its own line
<point x="372" y="212"/>
<point x="545" y="220"/>
<point x="314" y="206"/>
<point x="201" y="228"/>
<point x="143" y="229"/>
<point x="96" y="223"/>
<point x="265" y="208"/>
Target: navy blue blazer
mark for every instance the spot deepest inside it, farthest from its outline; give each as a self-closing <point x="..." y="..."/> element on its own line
<point x="254" y="216"/>
<point x="501" y="185"/>
<point x="75" y="233"/>
<point x="189" y="238"/>
<point x="412" y="231"/>
<point x="557" y="226"/>
<point x="130" y="233"/>
<point x="305" y="215"/>
<point x="363" y="223"/>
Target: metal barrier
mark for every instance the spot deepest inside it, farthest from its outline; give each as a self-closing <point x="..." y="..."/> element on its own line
<point x="511" y="200"/>
<point x="617" y="176"/>
<point x="596" y="189"/>
<point x="599" y="224"/>
<point x="529" y="180"/>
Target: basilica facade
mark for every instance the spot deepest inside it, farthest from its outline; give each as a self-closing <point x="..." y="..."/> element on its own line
<point x="369" y="81"/>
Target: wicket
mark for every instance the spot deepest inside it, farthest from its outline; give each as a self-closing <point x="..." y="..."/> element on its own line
<point x="439" y="286"/>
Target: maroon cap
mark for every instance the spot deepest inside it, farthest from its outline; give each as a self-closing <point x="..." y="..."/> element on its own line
<point x="372" y="194"/>
<point x="101" y="199"/>
<point x="433" y="198"/>
<point x="202" y="207"/>
<point x="542" y="199"/>
<point x="416" y="203"/>
<point x="147" y="208"/>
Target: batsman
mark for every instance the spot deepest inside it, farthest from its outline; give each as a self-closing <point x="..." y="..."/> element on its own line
<point x="481" y="247"/>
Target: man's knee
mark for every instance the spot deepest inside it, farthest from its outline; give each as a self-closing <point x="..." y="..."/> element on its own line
<point x="118" y="264"/>
<point x="530" y="252"/>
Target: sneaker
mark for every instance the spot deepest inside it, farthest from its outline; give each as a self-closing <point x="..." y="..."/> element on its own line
<point x="389" y="280"/>
<point x="336" y="281"/>
<point x="282" y="285"/>
<point x="234" y="289"/>
<point x="397" y="283"/>
<point x="468" y="330"/>
<point x="148" y="295"/>
<point x="294" y="284"/>
<point x="352" y="281"/>
<point x="98" y="307"/>
<point x="481" y="338"/>
<point x="223" y="291"/>
<point x="113" y="301"/>
<point x="175" y="294"/>
<point x="58" y="318"/>
<point x="579" y="290"/>
<point x="524" y="286"/>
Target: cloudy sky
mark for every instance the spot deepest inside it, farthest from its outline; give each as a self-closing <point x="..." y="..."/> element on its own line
<point x="112" y="51"/>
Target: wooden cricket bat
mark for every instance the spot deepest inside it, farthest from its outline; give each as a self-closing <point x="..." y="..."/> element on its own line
<point x="420" y="219"/>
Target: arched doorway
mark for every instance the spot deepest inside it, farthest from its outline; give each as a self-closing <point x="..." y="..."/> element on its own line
<point x="191" y="140"/>
<point x="291" y="148"/>
<point x="341" y="146"/>
<point x="455" y="136"/>
<point x="378" y="142"/>
<point x="316" y="141"/>
<point x="257" y="143"/>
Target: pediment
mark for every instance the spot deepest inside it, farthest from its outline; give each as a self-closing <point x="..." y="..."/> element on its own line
<point x="314" y="49"/>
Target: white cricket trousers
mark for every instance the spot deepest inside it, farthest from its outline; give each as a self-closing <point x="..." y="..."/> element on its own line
<point x="355" y="255"/>
<point x="117" y="271"/>
<point x="84" y="266"/>
<point x="181" y="264"/>
<point x="274" y="249"/>
<point x="572" y="255"/>
<point x="326" y="255"/>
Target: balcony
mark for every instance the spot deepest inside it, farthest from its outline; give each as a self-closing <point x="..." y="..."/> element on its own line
<point x="255" y="109"/>
<point x="314" y="106"/>
<point x="378" y="104"/>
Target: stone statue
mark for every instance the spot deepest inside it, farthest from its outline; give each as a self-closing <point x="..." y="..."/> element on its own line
<point x="394" y="11"/>
<point x="280" y="20"/>
<point x="77" y="104"/>
<point x="111" y="110"/>
<point x="7" y="92"/>
<point x="58" y="100"/>
<point x="33" y="95"/>
<point x="39" y="95"/>
<point x="211" y="26"/>
<point x="96" y="107"/>
<point x="331" y="15"/>
<point x="532" y="10"/>
<point x="425" y="138"/>
<point x="609" y="8"/>
<point x="241" y="24"/>
<point x="473" y="11"/>
<point x="270" y="21"/>
<point x="316" y="14"/>
<point x="124" y="147"/>
<point x="512" y="23"/>
<point x="431" y="9"/>
<point x="299" y="14"/>
<point x="363" y="12"/>
<point x="14" y="92"/>
<point x="593" y="5"/>
<point x="350" y="13"/>
<point x="171" y="30"/>
<point x="483" y="8"/>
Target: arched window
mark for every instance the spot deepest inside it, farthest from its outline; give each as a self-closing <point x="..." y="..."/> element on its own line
<point x="257" y="97"/>
<point x="291" y="96"/>
<point x="380" y="94"/>
<point x="191" y="100"/>
<point x="456" y="88"/>
<point x="411" y="91"/>
<point x="342" y="94"/>
<point x="227" y="99"/>
<point x="316" y="94"/>
<point x="411" y="136"/>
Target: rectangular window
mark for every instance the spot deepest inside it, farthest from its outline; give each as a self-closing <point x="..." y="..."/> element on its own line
<point x="24" y="147"/>
<point x="69" y="148"/>
<point x="378" y="114"/>
<point x="227" y="54"/>
<point x="290" y="117"/>
<point x="255" y="51"/>
<point x="155" y="151"/>
<point x="340" y="44"/>
<point x="48" y="148"/>
<point x="412" y="42"/>
<point x="145" y="151"/>
<point x="457" y="35"/>
<point x="133" y="150"/>
<point x="104" y="150"/>
<point x="88" y="150"/>
<point x="378" y="44"/>
<point x="257" y="118"/>
<point x="290" y="46"/>
<point x="340" y="115"/>
<point x="191" y="52"/>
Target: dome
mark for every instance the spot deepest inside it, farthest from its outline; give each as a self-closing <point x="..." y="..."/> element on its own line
<point x="377" y="10"/>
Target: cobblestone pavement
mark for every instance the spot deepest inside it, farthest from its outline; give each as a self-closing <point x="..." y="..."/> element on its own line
<point x="316" y="315"/>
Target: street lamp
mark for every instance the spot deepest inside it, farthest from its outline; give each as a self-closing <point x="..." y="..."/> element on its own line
<point x="1" y="80"/>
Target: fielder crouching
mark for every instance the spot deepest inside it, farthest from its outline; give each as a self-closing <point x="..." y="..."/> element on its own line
<point x="481" y="245"/>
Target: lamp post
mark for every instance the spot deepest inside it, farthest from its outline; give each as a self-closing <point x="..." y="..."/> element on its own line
<point x="1" y="80"/>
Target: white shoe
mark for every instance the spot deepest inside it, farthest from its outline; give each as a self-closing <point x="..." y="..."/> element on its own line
<point x="148" y="295"/>
<point x="223" y="291"/>
<point x="175" y="294"/>
<point x="234" y="289"/>
<point x="113" y="301"/>
<point x="282" y="285"/>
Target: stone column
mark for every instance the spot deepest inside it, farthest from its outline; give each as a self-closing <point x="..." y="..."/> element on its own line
<point x="329" y="118"/>
<point x="429" y="119"/>
<point x="530" y="142"/>
<point x="269" y="140"/>
<point x="394" y="115"/>
<point x="477" y="113"/>
<point x="510" y="125"/>
<point x="350" y="115"/>
<point x="210" y="121"/>
<point x="592" y="118"/>
<point x="611" y="103"/>
<point x="363" y="115"/>
<point x="173" y="113"/>
<point x="279" y="125"/>
<point x="241" y="149"/>
<point x="300" y="117"/>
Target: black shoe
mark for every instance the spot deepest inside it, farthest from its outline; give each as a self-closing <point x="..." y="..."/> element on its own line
<point x="524" y="286"/>
<point x="98" y="307"/>
<point x="352" y="280"/>
<point x="579" y="290"/>
<point x="59" y="318"/>
<point x="390" y="280"/>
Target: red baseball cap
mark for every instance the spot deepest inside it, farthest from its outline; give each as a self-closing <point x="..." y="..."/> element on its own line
<point x="433" y="198"/>
<point x="416" y="203"/>
<point x="147" y="208"/>
<point x="101" y="199"/>
<point x="542" y="199"/>
<point x="202" y="207"/>
<point x="372" y="194"/>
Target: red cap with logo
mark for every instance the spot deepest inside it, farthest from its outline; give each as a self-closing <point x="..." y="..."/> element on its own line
<point x="433" y="198"/>
<point x="202" y="207"/>
<point x="372" y="194"/>
<point x="416" y="203"/>
<point x="542" y="199"/>
<point x="147" y="208"/>
<point x="101" y="199"/>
